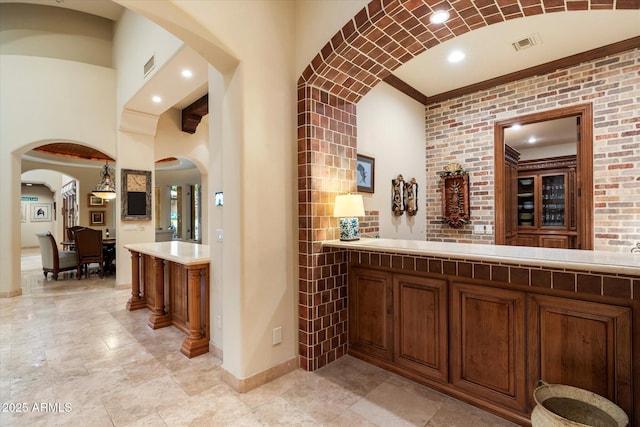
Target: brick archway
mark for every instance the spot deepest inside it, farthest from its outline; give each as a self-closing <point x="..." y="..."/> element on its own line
<point x="380" y="38"/>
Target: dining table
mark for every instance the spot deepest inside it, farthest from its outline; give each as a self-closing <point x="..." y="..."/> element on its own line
<point x="108" y="251"/>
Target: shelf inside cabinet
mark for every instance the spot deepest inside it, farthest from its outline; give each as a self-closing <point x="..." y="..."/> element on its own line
<point x="553" y="201"/>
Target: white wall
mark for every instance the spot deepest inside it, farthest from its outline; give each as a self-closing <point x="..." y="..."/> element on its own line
<point x="391" y="129"/>
<point x="29" y="227"/>
<point x="318" y="21"/>
<point x="79" y="106"/>
<point x="256" y="147"/>
<point x="136" y="39"/>
<point x="170" y="141"/>
<point x="34" y="30"/>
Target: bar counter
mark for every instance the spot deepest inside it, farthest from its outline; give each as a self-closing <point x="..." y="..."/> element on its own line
<point x="485" y="323"/>
<point x="184" y="269"/>
<point x="600" y="261"/>
<point x="181" y="252"/>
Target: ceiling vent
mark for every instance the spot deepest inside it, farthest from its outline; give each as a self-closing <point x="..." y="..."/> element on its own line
<point x="530" y="41"/>
<point x="149" y="65"/>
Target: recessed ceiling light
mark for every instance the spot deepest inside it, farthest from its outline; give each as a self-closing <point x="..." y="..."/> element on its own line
<point x="439" y="17"/>
<point x="156" y="99"/>
<point x="516" y="126"/>
<point x="456" y="56"/>
<point x="532" y="140"/>
<point x="186" y="73"/>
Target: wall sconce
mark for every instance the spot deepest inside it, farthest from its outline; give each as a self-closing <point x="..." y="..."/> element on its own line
<point x="106" y="189"/>
<point x="348" y="207"/>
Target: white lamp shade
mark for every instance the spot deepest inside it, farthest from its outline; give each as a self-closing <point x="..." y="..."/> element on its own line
<point x="107" y="195"/>
<point x="348" y="206"/>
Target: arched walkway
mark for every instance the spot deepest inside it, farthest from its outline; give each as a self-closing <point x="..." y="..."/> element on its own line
<point x="379" y="39"/>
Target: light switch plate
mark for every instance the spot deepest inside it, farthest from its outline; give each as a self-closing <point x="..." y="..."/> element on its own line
<point x="219" y="234"/>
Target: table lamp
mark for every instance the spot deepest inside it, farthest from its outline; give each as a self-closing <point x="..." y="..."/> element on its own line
<point x="348" y="207"/>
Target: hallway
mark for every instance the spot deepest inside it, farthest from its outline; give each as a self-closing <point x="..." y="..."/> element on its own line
<point x="73" y="347"/>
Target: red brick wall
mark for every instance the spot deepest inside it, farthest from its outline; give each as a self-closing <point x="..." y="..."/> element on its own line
<point x="326" y="167"/>
<point x="461" y="130"/>
<point x="370" y="224"/>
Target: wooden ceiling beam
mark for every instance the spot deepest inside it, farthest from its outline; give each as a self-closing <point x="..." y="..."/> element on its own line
<point x="192" y="114"/>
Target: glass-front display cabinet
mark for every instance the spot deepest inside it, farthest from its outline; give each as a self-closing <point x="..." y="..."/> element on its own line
<point x="553" y="200"/>
<point x="542" y="201"/>
<point x="546" y="204"/>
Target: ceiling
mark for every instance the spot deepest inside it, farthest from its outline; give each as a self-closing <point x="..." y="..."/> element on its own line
<point x="104" y="8"/>
<point x="542" y="134"/>
<point x="489" y="52"/>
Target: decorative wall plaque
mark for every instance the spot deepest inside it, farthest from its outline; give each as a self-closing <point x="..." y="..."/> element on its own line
<point x="136" y="195"/>
<point x="411" y="197"/>
<point x="397" y="195"/>
<point x="455" y="196"/>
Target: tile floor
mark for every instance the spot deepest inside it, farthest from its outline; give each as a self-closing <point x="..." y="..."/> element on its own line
<point x="73" y="347"/>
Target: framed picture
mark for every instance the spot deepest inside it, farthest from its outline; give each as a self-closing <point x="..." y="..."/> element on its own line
<point x="365" y="170"/>
<point x="94" y="200"/>
<point x="23" y="212"/>
<point x="40" y="212"/>
<point x="136" y="195"/>
<point x="96" y="217"/>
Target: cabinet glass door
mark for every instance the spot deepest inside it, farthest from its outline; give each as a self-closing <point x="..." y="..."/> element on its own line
<point x="553" y="200"/>
<point x="526" y="201"/>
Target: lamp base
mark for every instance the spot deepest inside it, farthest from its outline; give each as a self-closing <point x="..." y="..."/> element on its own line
<point x="349" y="229"/>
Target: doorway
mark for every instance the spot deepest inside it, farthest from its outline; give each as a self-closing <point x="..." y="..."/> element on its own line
<point x="506" y="213"/>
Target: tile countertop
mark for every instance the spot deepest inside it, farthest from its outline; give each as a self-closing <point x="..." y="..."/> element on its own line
<point x="181" y="252"/>
<point x="596" y="261"/>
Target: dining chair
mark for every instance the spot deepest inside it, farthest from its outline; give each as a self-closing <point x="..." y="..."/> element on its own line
<point x="72" y="230"/>
<point x="54" y="261"/>
<point x="88" y="244"/>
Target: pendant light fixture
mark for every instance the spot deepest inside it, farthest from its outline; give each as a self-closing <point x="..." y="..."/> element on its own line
<point x="106" y="189"/>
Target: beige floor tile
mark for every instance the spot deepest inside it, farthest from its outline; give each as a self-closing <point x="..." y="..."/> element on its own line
<point x="276" y="412"/>
<point x="456" y="413"/>
<point x="73" y="342"/>
<point x="323" y="399"/>
<point x="399" y="401"/>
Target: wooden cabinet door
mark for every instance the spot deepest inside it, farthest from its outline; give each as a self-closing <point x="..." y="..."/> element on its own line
<point x="582" y="344"/>
<point x="527" y="240"/>
<point x="488" y="343"/>
<point x="554" y="241"/>
<point x="421" y="325"/>
<point x="371" y="312"/>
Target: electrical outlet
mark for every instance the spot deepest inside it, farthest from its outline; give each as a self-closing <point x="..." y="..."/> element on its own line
<point x="277" y="335"/>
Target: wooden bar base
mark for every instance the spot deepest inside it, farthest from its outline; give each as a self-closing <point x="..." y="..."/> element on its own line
<point x="185" y="305"/>
<point x="192" y="348"/>
<point x="137" y="301"/>
<point x="159" y="321"/>
<point x="136" y="304"/>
